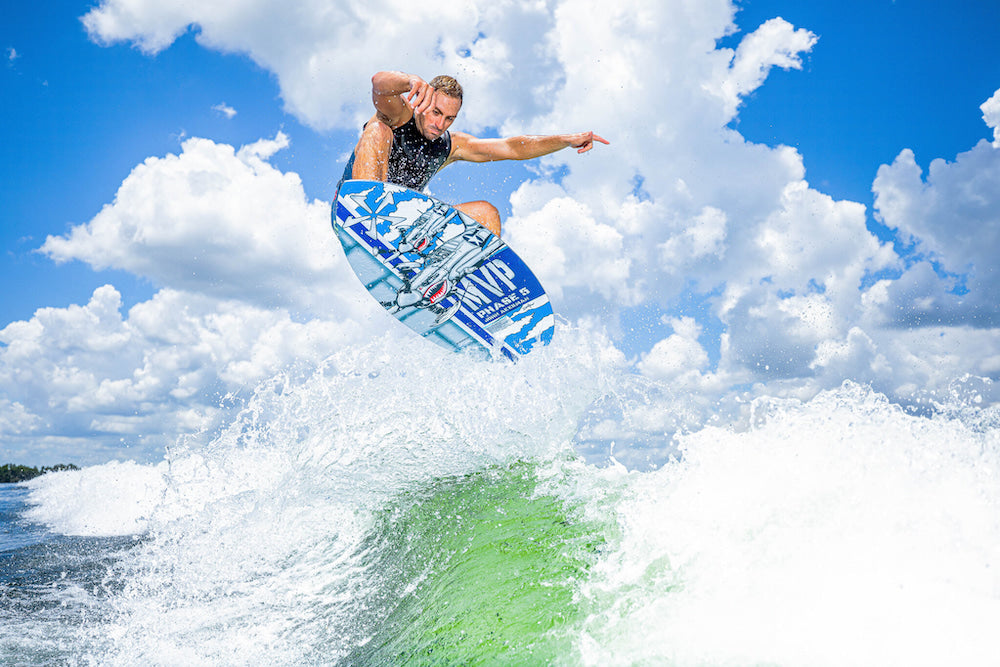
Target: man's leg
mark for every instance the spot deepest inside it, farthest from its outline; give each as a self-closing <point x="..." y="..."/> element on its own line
<point x="371" y="155"/>
<point x="484" y="213"/>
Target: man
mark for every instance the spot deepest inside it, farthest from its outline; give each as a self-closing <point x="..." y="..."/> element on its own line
<point x="407" y="140"/>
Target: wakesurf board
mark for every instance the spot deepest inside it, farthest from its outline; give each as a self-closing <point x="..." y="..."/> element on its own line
<point x="440" y="272"/>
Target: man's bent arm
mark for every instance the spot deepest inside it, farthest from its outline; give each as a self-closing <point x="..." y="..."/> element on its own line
<point x="473" y="149"/>
<point x="388" y="89"/>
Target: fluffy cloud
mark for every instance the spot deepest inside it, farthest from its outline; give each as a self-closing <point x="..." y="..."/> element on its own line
<point x="16" y="419"/>
<point x="991" y="114"/>
<point x="705" y="235"/>
<point x="224" y="109"/>
<point x="927" y="359"/>
<point x="561" y="237"/>
<point x="775" y="44"/>
<point x="90" y="374"/>
<point x="953" y="220"/>
<point x="679" y="358"/>
<point x="216" y="221"/>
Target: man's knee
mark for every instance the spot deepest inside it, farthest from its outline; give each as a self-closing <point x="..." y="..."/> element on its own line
<point x="484" y="213"/>
<point x="484" y="208"/>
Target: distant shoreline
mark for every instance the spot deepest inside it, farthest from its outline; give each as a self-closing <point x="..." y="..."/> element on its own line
<point x="12" y="474"/>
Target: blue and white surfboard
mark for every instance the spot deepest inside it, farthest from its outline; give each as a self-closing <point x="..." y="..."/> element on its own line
<point x="440" y="272"/>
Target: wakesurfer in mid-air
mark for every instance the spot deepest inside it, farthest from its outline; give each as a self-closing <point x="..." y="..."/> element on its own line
<point x="407" y="141"/>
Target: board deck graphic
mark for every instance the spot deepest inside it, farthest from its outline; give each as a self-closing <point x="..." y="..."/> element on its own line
<point x="440" y="272"/>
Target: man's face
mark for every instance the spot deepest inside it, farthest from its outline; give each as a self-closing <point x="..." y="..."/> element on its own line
<point x="436" y="120"/>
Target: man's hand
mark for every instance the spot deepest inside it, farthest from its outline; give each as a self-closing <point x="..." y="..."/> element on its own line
<point x="584" y="141"/>
<point x="421" y="95"/>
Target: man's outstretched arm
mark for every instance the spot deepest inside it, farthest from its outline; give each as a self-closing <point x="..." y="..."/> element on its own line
<point x="472" y="149"/>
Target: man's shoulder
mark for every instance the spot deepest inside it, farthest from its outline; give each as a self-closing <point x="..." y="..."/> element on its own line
<point x="395" y="122"/>
<point x="468" y="147"/>
<point x="459" y="140"/>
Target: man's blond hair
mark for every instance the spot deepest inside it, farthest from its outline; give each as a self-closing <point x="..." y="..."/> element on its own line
<point x="447" y="85"/>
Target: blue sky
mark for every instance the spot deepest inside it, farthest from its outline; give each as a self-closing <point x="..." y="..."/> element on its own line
<point x="883" y="77"/>
<point x="861" y="82"/>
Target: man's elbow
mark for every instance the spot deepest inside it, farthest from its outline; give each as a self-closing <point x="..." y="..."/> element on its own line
<point x="379" y="81"/>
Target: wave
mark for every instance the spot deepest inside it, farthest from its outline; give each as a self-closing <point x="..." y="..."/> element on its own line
<point x="438" y="511"/>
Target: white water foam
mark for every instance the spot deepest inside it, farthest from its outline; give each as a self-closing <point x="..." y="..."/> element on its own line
<point x="842" y="531"/>
<point x="254" y="546"/>
<point x="113" y="499"/>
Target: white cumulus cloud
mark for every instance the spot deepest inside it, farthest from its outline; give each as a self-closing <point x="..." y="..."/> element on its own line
<point x="217" y="221"/>
<point x="952" y="216"/>
<point x="679" y="358"/>
<point x="95" y="375"/>
<point x="224" y="109"/>
<point x="777" y="43"/>
<point x="991" y="114"/>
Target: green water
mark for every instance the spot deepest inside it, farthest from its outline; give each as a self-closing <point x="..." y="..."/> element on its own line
<point x="479" y="570"/>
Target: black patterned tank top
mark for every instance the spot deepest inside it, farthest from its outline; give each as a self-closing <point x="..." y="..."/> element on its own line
<point x="414" y="159"/>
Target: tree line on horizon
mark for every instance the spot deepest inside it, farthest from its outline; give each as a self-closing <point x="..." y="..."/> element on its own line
<point x="11" y="474"/>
